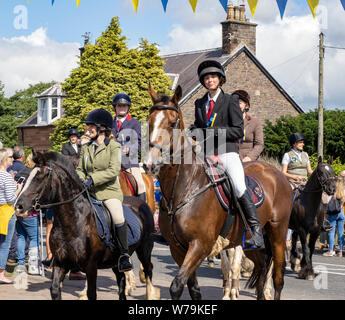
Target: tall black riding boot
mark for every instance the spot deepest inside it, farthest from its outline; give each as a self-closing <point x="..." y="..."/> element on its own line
<point x="124" y="263"/>
<point x="249" y="210"/>
<point x="142" y="196"/>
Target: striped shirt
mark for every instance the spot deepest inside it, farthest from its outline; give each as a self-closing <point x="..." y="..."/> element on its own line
<point x="7" y="188"/>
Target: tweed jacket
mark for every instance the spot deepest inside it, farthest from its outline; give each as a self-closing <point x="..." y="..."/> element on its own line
<point x="103" y="166"/>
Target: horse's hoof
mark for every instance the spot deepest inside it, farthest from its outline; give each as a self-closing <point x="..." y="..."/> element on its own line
<point x="83" y="297"/>
<point x="310" y="277"/>
<point x="211" y="264"/>
<point x="234" y="294"/>
<point x="226" y="297"/>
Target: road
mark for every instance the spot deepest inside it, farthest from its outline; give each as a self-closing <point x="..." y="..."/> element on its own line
<point x="329" y="285"/>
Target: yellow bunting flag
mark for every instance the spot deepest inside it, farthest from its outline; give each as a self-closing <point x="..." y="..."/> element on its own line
<point x="313" y="5"/>
<point x="78" y="1"/>
<point x="193" y="4"/>
<point x="135" y="4"/>
<point x="252" y="5"/>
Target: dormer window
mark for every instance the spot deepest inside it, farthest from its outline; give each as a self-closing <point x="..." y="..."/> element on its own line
<point x="43" y="110"/>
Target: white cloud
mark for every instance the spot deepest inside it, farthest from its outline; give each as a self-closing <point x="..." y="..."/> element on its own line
<point x="30" y="59"/>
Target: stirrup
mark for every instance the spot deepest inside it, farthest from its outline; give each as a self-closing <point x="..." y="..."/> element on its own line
<point x="249" y="247"/>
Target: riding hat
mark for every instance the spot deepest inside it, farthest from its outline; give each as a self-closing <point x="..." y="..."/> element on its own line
<point x="73" y="132"/>
<point x="121" y="98"/>
<point x="295" y="137"/>
<point x="210" y="67"/>
<point x="100" y="117"/>
<point x="243" y="95"/>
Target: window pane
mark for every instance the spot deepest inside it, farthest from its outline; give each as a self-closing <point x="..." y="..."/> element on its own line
<point x="44" y="110"/>
<point x="54" y="108"/>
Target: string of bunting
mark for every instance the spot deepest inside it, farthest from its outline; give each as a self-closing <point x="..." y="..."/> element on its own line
<point x="251" y="3"/>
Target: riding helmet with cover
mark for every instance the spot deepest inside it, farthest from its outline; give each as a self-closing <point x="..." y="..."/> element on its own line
<point x="73" y="132"/>
<point x="211" y="67"/>
<point x="121" y="98"/>
<point x="243" y="95"/>
<point x="295" y="137"/>
<point x="100" y="117"/>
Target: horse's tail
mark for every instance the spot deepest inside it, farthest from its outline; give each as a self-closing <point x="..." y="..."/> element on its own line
<point x="254" y="278"/>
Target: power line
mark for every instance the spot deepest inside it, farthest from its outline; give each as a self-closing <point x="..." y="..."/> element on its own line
<point x="334" y="47"/>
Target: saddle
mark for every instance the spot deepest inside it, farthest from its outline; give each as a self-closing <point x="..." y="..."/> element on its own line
<point x="223" y="189"/>
<point x="132" y="183"/>
<point x="105" y="224"/>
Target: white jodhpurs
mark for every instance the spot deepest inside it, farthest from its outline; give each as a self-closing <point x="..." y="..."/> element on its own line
<point x="233" y="166"/>
<point x="135" y="171"/>
<point x="116" y="210"/>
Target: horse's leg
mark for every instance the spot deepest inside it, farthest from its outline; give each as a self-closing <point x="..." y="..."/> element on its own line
<point x="236" y="273"/>
<point x="195" y="256"/>
<point x="193" y="287"/>
<point x="312" y="240"/>
<point x="91" y="278"/>
<point x="130" y="282"/>
<point x="306" y="269"/>
<point x="294" y="259"/>
<point x="58" y="276"/>
<point x="225" y="263"/>
<point x="121" y="283"/>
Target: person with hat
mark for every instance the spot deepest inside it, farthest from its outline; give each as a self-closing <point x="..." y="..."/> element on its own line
<point x="219" y="112"/>
<point x="99" y="167"/>
<point x="127" y="132"/>
<point x="72" y="148"/>
<point x="252" y="143"/>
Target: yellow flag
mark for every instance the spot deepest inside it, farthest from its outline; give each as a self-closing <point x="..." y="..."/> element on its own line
<point x="252" y="5"/>
<point x="135" y="4"/>
<point x="193" y="4"/>
<point x="78" y="1"/>
<point x="313" y="5"/>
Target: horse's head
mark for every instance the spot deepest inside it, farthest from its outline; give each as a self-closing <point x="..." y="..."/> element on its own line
<point x="165" y="116"/>
<point x="325" y="175"/>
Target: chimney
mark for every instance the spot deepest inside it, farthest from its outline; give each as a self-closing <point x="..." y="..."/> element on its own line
<point x="86" y="37"/>
<point x="237" y="30"/>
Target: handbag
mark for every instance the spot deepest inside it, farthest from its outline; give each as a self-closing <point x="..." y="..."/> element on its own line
<point x="333" y="207"/>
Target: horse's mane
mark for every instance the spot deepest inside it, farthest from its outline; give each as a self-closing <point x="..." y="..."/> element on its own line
<point x="65" y="162"/>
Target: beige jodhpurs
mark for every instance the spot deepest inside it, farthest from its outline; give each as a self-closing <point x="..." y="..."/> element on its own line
<point x="135" y="171"/>
<point x="116" y="211"/>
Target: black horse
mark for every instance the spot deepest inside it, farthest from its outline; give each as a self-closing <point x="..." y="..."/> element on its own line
<point x="74" y="240"/>
<point x="307" y="216"/>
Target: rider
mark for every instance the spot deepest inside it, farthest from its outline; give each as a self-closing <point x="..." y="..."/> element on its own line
<point x="127" y="132"/>
<point x="215" y="102"/>
<point x="72" y="148"/>
<point x="99" y="167"/>
<point x="252" y="143"/>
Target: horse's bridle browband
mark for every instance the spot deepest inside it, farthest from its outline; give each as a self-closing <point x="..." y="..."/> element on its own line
<point x="37" y="206"/>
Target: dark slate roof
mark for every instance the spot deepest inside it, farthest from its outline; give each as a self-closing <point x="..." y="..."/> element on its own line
<point x="182" y="68"/>
<point x="54" y="91"/>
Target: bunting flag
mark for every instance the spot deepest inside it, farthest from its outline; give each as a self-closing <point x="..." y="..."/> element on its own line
<point x="282" y="6"/>
<point x="135" y="4"/>
<point x="78" y="1"/>
<point x="53" y="2"/>
<point x="193" y="4"/>
<point x="164" y="3"/>
<point x="343" y="3"/>
<point x="313" y="5"/>
<point x="252" y="5"/>
<point x="224" y="3"/>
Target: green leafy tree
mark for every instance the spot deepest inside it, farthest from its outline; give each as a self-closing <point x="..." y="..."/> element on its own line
<point x="106" y="68"/>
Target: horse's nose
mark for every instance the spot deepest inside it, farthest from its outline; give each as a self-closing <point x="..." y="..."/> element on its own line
<point x="19" y="208"/>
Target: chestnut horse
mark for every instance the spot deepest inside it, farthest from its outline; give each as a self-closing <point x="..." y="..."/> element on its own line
<point x="191" y="216"/>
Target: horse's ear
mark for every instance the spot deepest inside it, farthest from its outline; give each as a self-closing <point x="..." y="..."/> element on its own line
<point x="153" y="94"/>
<point x="330" y="160"/>
<point x="38" y="158"/>
<point x="319" y="160"/>
<point x="177" y="95"/>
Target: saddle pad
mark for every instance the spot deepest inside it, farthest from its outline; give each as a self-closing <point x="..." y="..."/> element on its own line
<point x="218" y="172"/>
<point x="134" y="231"/>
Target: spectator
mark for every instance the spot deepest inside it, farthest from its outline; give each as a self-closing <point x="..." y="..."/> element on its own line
<point x="73" y="147"/>
<point x="8" y="195"/>
<point x="158" y="196"/>
<point x="337" y="220"/>
<point x="18" y="160"/>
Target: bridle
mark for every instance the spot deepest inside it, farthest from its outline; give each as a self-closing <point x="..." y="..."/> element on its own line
<point x="322" y="181"/>
<point x="37" y="206"/>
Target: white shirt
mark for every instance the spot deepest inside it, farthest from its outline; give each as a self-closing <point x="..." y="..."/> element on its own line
<point x="75" y="147"/>
<point x="286" y="158"/>
<point x="121" y="119"/>
<point x="214" y="99"/>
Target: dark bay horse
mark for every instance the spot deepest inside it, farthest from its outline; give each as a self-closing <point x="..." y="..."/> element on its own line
<point x="74" y="239"/>
<point x="307" y="216"/>
<point x="191" y="216"/>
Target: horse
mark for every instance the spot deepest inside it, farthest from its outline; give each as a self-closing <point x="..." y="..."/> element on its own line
<point x="74" y="240"/>
<point x="307" y="216"/>
<point x="191" y="217"/>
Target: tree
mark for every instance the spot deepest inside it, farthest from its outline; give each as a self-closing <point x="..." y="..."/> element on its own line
<point x="106" y="68"/>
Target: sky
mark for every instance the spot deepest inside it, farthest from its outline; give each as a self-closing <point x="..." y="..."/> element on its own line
<point x="45" y="46"/>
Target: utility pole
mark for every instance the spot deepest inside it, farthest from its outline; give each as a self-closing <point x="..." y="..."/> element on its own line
<point x="320" y="123"/>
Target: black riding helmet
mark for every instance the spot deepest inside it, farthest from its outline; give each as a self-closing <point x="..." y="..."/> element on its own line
<point x="121" y="98"/>
<point x="100" y="117"/>
<point x="73" y="132"/>
<point x="211" y="67"/>
<point x="295" y="137"/>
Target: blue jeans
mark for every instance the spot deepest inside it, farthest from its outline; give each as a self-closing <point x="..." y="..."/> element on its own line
<point x="5" y="242"/>
<point x="26" y="228"/>
<point x="336" y="220"/>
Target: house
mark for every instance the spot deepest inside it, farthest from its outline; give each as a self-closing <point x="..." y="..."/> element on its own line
<point x="243" y="71"/>
<point x="34" y="132"/>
